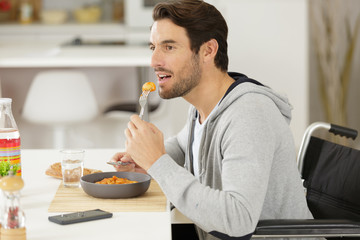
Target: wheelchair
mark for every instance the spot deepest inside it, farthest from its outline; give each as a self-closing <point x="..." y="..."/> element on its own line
<point x="331" y="178"/>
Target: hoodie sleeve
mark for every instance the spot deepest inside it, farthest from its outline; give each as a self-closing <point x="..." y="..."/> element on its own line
<point x="175" y="146"/>
<point x="246" y="151"/>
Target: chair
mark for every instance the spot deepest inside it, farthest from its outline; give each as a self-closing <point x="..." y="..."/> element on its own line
<point x="125" y="110"/>
<point x="60" y="98"/>
<point x="330" y="174"/>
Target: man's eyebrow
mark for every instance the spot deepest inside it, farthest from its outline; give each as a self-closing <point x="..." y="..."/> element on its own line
<point x="163" y="42"/>
<point x="168" y="41"/>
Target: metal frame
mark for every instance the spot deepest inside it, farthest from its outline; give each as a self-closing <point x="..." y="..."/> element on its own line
<point x="310" y="228"/>
<point x="305" y="141"/>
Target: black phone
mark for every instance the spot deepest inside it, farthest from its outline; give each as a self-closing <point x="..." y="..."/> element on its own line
<point x="77" y="217"/>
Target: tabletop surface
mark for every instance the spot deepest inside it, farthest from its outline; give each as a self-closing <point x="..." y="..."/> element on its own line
<point x="39" y="190"/>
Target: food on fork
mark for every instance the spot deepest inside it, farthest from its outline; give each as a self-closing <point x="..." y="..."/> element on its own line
<point x="146" y="89"/>
<point x="115" y="180"/>
<point x="149" y="86"/>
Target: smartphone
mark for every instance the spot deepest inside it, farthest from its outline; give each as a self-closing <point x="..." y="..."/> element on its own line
<point x="77" y="217"/>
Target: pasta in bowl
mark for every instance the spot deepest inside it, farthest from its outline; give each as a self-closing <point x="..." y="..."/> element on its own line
<point x="115" y="184"/>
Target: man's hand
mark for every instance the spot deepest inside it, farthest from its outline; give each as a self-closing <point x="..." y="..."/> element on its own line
<point x="144" y="142"/>
<point x="125" y="158"/>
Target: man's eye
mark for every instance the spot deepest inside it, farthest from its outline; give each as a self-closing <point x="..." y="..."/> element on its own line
<point x="169" y="48"/>
<point x="152" y="48"/>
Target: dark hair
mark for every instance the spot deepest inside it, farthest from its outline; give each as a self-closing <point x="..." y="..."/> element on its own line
<point x="202" y="22"/>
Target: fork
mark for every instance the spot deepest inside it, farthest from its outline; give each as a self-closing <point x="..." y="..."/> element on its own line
<point x="118" y="163"/>
<point x="142" y="102"/>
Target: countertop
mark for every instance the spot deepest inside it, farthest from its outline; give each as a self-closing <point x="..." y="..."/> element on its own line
<point x="44" y="46"/>
<point x="54" y="55"/>
<point x="51" y="55"/>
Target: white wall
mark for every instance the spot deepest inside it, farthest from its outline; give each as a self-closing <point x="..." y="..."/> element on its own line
<point x="268" y="41"/>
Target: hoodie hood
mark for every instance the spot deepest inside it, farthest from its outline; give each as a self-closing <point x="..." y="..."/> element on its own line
<point x="244" y="85"/>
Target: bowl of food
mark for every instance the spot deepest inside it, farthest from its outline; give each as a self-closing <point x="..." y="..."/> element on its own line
<point x="115" y="184"/>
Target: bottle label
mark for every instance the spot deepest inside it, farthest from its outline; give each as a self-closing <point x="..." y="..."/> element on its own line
<point x="10" y="151"/>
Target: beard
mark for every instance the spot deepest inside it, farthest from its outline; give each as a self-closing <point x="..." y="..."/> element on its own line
<point x="189" y="78"/>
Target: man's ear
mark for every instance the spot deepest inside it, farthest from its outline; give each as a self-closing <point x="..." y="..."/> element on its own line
<point x="210" y="49"/>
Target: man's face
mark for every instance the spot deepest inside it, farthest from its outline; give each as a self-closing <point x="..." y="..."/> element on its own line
<point x="176" y="66"/>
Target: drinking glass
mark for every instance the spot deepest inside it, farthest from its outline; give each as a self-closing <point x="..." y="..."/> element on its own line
<point x="72" y="166"/>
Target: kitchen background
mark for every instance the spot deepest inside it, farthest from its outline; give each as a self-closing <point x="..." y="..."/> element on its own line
<point x="269" y="40"/>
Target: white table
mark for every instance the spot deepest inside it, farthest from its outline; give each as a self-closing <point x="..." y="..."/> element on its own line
<point x="40" y="189"/>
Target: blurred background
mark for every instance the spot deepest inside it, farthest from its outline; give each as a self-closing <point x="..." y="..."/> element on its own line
<point x="306" y="49"/>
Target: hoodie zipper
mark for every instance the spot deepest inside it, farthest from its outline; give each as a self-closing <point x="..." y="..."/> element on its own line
<point x="191" y="140"/>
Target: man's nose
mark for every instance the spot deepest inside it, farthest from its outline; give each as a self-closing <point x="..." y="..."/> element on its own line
<point x="156" y="59"/>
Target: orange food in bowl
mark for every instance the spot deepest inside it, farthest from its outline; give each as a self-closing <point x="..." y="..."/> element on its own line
<point x="115" y="180"/>
<point x="149" y="86"/>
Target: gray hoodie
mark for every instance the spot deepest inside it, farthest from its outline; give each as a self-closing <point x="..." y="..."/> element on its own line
<point x="247" y="165"/>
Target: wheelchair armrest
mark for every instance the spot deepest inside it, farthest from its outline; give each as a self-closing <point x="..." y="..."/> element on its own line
<point x="307" y="227"/>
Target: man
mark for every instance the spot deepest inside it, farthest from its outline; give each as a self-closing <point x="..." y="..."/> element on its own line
<point x="234" y="162"/>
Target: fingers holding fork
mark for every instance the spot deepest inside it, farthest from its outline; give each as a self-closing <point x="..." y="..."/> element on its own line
<point x="142" y="102"/>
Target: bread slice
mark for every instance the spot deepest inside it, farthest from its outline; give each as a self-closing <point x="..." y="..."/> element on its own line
<point x="54" y="170"/>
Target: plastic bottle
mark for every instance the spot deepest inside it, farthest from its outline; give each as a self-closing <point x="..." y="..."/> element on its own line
<point x="9" y="139"/>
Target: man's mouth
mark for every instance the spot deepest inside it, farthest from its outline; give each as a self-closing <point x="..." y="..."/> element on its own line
<point x="163" y="77"/>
